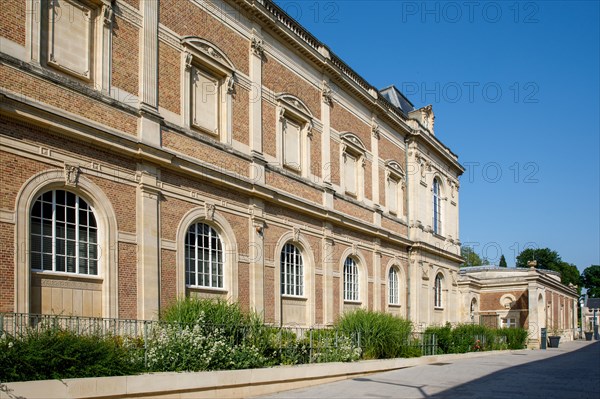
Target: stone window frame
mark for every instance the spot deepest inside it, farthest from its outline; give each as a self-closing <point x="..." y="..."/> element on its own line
<point x="352" y="146"/>
<point x="351" y="288"/>
<point x="394" y="172"/>
<point x="394" y="287"/>
<point x="55" y="179"/>
<point x="212" y="61"/>
<point x="363" y="281"/>
<point x="220" y="262"/>
<point x="438" y="291"/>
<point x="293" y="109"/>
<point x="437" y="197"/>
<point x="207" y="214"/>
<point x="55" y="222"/>
<point x="297" y="290"/>
<point x="38" y="39"/>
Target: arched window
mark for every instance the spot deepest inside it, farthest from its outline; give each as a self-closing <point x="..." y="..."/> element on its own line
<point x="437" y="207"/>
<point x="292" y="271"/>
<point x="204" y="257"/>
<point x="350" y="280"/>
<point x="437" y="289"/>
<point x="394" y="287"/>
<point x="64" y="234"/>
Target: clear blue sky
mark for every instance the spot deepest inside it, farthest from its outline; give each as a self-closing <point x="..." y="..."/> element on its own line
<point x="515" y="90"/>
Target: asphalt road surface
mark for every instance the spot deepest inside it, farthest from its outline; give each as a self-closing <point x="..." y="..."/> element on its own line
<point x="570" y="371"/>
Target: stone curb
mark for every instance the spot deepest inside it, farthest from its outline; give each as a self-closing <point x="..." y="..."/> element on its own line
<point x="219" y="384"/>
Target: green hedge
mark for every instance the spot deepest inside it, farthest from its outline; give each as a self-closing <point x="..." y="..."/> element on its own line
<point x="471" y="338"/>
<point x="382" y="335"/>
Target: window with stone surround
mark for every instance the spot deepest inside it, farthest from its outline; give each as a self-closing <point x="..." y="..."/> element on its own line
<point x="295" y="124"/>
<point x="351" y="282"/>
<point x="353" y="155"/>
<point x="394" y="187"/>
<point x="393" y="287"/>
<point x="209" y="89"/>
<point x="437" y="291"/>
<point x="292" y="271"/>
<point x="63" y="234"/>
<point x="437" y="207"/>
<point x="204" y="257"/>
<point x="75" y="38"/>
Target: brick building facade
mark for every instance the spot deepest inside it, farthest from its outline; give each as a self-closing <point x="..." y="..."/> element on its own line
<point x="152" y="149"/>
<point x="519" y="297"/>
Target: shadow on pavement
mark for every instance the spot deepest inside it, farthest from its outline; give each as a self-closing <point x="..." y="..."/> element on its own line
<point x="571" y="375"/>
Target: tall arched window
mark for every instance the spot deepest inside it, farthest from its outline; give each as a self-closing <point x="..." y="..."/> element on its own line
<point x="437" y="207"/>
<point x="351" y="280"/>
<point x="437" y="289"/>
<point x="64" y="234"/>
<point x="204" y="257"/>
<point x="394" y="287"/>
<point x="292" y="271"/>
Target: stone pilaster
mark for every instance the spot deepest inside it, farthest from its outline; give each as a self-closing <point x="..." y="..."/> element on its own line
<point x="148" y="278"/>
<point x="326" y="104"/>
<point x="257" y="258"/>
<point x="256" y="59"/>
<point x="149" y="126"/>
<point x="328" y="267"/>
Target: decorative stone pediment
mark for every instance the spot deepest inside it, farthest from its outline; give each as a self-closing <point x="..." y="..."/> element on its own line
<point x="294" y="102"/>
<point x="353" y="141"/>
<point x="258" y="47"/>
<point x="198" y="46"/>
<point x="394" y="167"/>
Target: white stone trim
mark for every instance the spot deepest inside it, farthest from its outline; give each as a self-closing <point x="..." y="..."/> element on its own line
<point x="107" y="233"/>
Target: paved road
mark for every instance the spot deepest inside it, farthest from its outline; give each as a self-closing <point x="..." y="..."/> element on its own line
<point x="570" y="371"/>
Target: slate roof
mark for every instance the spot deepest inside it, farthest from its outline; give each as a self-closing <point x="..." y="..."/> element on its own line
<point x="399" y="100"/>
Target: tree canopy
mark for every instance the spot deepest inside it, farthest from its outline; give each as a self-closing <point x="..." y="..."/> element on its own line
<point x="471" y="257"/>
<point x="590" y="279"/>
<point x="502" y="261"/>
<point x="550" y="260"/>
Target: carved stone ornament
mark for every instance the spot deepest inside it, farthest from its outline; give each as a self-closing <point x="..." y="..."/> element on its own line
<point x="107" y="13"/>
<point x="188" y="59"/>
<point x="296" y="233"/>
<point x="424" y="273"/>
<point x="231" y="81"/>
<point x="309" y="129"/>
<point x="327" y="94"/>
<point x="72" y="174"/>
<point x="375" y="128"/>
<point x="210" y="211"/>
<point x="354" y="249"/>
<point x="258" y="47"/>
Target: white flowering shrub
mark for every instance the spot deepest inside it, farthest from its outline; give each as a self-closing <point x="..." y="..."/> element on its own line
<point x="173" y="347"/>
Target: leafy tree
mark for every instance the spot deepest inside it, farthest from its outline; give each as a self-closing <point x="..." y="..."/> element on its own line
<point x="503" y="261"/>
<point x="590" y="279"/>
<point x="550" y="260"/>
<point x="545" y="257"/>
<point x="471" y="257"/>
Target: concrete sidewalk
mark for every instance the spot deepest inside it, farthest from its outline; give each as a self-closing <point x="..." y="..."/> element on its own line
<point x="570" y="371"/>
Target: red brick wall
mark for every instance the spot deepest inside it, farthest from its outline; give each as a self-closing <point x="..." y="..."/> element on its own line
<point x="315" y="154"/>
<point x="269" y="294"/>
<point x="12" y="20"/>
<point x="7" y="267"/>
<point x="14" y="171"/>
<point x="333" y="169"/>
<point x="281" y="79"/>
<point x="123" y="200"/>
<point x="127" y="281"/>
<point x="169" y="78"/>
<point x="269" y="130"/>
<point x="134" y="3"/>
<point x="293" y="187"/>
<point x="40" y="90"/>
<point x="352" y="210"/>
<point x="342" y="120"/>
<point x="125" y="64"/>
<point x="394" y="226"/>
<point x="186" y="18"/>
<point x="204" y="152"/>
<point x="390" y="151"/>
<point x="490" y="301"/>
<point x="168" y="278"/>
<point x="368" y="179"/>
<point x="319" y="299"/>
<point x="241" y="115"/>
<point x="243" y="270"/>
